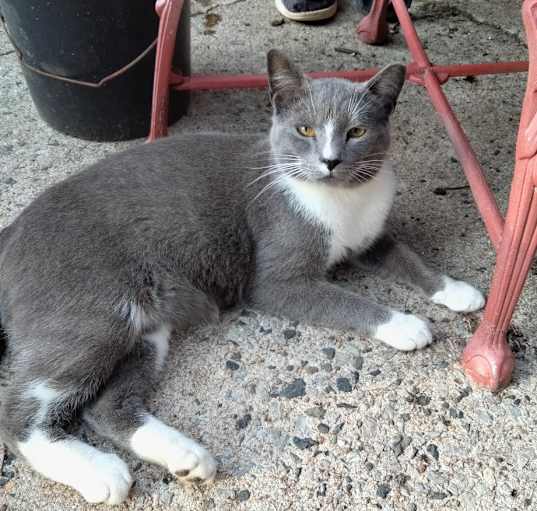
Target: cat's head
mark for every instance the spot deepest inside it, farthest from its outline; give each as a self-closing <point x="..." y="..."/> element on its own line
<point x="330" y="131"/>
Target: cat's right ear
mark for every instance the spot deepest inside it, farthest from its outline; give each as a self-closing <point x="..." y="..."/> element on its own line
<point x="286" y="81"/>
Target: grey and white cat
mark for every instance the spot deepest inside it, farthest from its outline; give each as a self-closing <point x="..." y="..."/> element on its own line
<point x="100" y="269"/>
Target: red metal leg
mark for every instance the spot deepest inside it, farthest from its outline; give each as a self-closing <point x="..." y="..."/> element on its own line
<point x="487" y="358"/>
<point x="170" y="13"/>
<point x="373" y="29"/>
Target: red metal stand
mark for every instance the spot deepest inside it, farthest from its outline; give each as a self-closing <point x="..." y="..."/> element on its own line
<point x="487" y="358"/>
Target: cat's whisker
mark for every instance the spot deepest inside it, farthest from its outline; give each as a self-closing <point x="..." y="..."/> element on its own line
<point x="280" y="169"/>
<point x="297" y="171"/>
<point x="291" y="171"/>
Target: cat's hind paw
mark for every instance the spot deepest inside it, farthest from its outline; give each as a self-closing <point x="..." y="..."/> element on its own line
<point x="156" y="442"/>
<point x="404" y="332"/>
<point x="107" y="481"/>
<point x="459" y="296"/>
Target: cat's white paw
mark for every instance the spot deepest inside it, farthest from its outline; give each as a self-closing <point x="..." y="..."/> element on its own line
<point x="106" y="481"/>
<point x="404" y="332"/>
<point x="459" y="296"/>
<point x="99" y="477"/>
<point x="156" y="442"/>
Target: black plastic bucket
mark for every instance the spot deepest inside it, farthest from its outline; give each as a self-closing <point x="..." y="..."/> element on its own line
<point x="88" y="40"/>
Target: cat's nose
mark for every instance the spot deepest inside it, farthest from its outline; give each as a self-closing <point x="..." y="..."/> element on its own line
<point x="331" y="164"/>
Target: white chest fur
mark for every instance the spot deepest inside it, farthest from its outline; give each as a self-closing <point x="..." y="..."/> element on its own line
<point x="354" y="217"/>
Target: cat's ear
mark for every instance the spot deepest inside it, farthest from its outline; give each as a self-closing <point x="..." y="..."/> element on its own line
<point x="386" y="85"/>
<point x="286" y="81"/>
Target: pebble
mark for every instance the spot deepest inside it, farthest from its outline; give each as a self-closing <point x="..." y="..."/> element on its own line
<point x="304" y="443"/>
<point x="463" y="393"/>
<point x="357" y="362"/>
<point x="326" y="367"/>
<point x="338" y="428"/>
<point x="348" y="406"/>
<point x="323" y="428"/>
<point x="243" y="495"/>
<point x="369" y="466"/>
<point x="383" y="490"/>
<point x="401" y="479"/>
<point x="232" y="366"/>
<point x="375" y="372"/>
<point x="311" y="370"/>
<point x="406" y="442"/>
<point x="397" y="450"/>
<point x="295" y="389"/>
<point x="289" y="333"/>
<point x="321" y="492"/>
<point x="343" y="385"/>
<point x="423" y="400"/>
<point x="318" y="412"/>
<point x="485" y="417"/>
<point x="433" y="451"/>
<point x="243" y="422"/>
<point x="276" y="22"/>
<point x="437" y="495"/>
<point x="329" y="353"/>
<point x="396" y="440"/>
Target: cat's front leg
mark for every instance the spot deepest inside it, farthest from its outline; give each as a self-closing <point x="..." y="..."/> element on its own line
<point x="322" y="303"/>
<point x="389" y="257"/>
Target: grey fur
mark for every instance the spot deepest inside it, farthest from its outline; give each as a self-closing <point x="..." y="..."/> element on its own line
<point x="181" y="229"/>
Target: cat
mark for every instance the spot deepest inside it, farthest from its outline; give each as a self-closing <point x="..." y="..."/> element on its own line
<point x="100" y="269"/>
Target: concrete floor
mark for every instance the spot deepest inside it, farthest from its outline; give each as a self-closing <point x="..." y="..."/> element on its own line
<point x="412" y="434"/>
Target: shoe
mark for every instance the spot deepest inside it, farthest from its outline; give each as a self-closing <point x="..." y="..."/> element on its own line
<point x="307" y="10"/>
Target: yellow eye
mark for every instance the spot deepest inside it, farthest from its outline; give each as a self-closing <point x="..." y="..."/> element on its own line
<point x="306" y="131"/>
<point x="356" y="132"/>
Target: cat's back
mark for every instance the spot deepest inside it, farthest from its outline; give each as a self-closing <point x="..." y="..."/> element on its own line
<point x="186" y="170"/>
<point x="174" y="189"/>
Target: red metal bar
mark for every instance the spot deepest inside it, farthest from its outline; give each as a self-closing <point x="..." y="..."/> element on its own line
<point x="409" y="33"/>
<point x="484" y="198"/>
<point x="170" y="14"/>
<point x="246" y="81"/>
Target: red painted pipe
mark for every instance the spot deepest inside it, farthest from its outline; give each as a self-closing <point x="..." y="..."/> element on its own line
<point x="246" y="81"/>
<point x="486" y="203"/>
<point x="409" y="33"/>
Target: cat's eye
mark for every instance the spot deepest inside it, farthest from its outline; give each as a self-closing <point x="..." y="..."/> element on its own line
<point x="356" y="132"/>
<point x="306" y="131"/>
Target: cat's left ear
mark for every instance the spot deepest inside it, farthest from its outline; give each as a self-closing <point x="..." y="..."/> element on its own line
<point x="286" y="81"/>
<point x="387" y="84"/>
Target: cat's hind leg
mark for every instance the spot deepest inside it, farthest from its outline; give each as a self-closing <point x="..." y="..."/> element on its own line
<point x="37" y="404"/>
<point x="121" y="415"/>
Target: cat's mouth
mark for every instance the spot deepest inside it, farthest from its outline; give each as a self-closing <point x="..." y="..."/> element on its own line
<point x="346" y="178"/>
